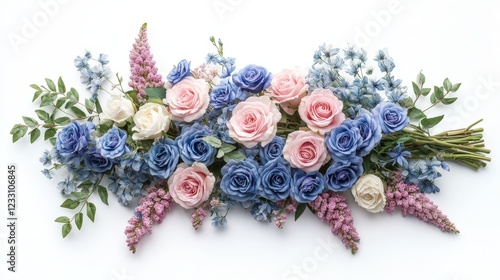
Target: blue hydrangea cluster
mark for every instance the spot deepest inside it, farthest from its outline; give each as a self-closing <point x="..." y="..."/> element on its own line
<point x="423" y="173"/>
<point x="93" y="72"/>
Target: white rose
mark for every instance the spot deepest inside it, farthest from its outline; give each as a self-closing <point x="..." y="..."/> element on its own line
<point x="369" y="193"/>
<point x="150" y="121"/>
<point x="118" y="109"/>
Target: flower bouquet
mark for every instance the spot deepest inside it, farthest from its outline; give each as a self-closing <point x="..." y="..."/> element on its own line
<point x="214" y="137"/>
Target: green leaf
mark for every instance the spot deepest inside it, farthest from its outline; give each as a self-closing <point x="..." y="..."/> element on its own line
<point x="300" y="210"/>
<point x="156" y="100"/>
<point x="226" y="148"/>
<point x="79" y="113"/>
<point x="98" y="106"/>
<point x="89" y="105"/>
<point x="416" y="89"/>
<point x="103" y="194"/>
<point x="447" y="84"/>
<point x="91" y="211"/>
<point x="421" y="78"/>
<point x="36" y="87"/>
<point x="73" y="95"/>
<point x="132" y="94"/>
<point x="70" y="204"/>
<point x="42" y="115"/>
<point x="79" y="220"/>
<point x="220" y="153"/>
<point x="18" y="132"/>
<point x="36" y="95"/>
<point x="52" y="141"/>
<point x="48" y="99"/>
<point x="448" y="101"/>
<point x="30" y="122"/>
<point x="66" y="229"/>
<point x="159" y="93"/>
<point x="60" y="85"/>
<point x="80" y="195"/>
<point x="62" y="219"/>
<point x="425" y="91"/>
<point x="406" y="103"/>
<point x="70" y="104"/>
<point x="34" y="134"/>
<point x="213" y="141"/>
<point x="403" y="139"/>
<point x="455" y="87"/>
<point x="51" y="132"/>
<point x="62" y="120"/>
<point x="427" y="123"/>
<point x="416" y="114"/>
<point x="50" y="84"/>
<point x="235" y="155"/>
<point x="439" y="93"/>
<point x="60" y="102"/>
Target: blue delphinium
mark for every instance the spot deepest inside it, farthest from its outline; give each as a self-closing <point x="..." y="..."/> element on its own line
<point x="343" y="142"/>
<point x="240" y="180"/>
<point x="92" y="76"/>
<point x="46" y="159"/>
<point x="67" y="186"/>
<point x="306" y="186"/>
<point x="398" y="156"/>
<point x="261" y="210"/>
<point x="181" y="71"/>
<point x="193" y="148"/>
<point x="275" y="180"/>
<point x="48" y="173"/>
<point x="342" y="175"/>
<point x="423" y="173"/>
<point x="113" y="144"/>
<point x="272" y="150"/>
<point x="162" y="158"/>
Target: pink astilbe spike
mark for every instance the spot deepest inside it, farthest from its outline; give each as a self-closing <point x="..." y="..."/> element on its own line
<point x="415" y="203"/>
<point x="142" y="66"/>
<point x="331" y="208"/>
<point x="197" y="217"/>
<point x="152" y="208"/>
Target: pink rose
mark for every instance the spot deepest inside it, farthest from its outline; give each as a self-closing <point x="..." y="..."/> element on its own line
<point x="305" y="150"/>
<point x="190" y="186"/>
<point x="321" y="110"/>
<point x="188" y="99"/>
<point x="288" y="87"/>
<point x="254" y="121"/>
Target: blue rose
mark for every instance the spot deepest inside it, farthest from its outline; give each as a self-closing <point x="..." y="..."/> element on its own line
<point x="272" y="150"/>
<point x="222" y="95"/>
<point x="162" y="159"/>
<point x="240" y="180"/>
<point x="370" y="132"/>
<point x="275" y="180"/>
<point x="72" y="141"/>
<point x="343" y="141"/>
<point x="342" y="175"/>
<point x="181" y="71"/>
<point x="252" y="78"/>
<point x="113" y="143"/>
<point x="306" y="186"/>
<point x="193" y="148"/>
<point x="391" y="117"/>
<point x="96" y="162"/>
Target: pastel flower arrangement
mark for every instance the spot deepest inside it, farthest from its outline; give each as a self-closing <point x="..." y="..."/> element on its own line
<point x="214" y="137"/>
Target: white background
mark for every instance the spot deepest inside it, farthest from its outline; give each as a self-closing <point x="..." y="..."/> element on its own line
<point x="455" y="39"/>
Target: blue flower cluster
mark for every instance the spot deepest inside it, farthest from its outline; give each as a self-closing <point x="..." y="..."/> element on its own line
<point x="92" y="76"/>
<point x="423" y="173"/>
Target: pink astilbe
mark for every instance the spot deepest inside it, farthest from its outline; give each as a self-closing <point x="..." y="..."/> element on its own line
<point x="142" y="66"/>
<point x="197" y="217"/>
<point x="331" y="208"/>
<point x="152" y="208"/>
<point x="415" y="203"/>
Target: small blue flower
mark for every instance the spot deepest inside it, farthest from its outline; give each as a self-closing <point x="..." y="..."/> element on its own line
<point x="240" y="180"/>
<point x="398" y="156"/>
<point x="162" y="159"/>
<point x="219" y="221"/>
<point x="223" y="94"/>
<point x="370" y="132"/>
<point x="181" y="71"/>
<point x="193" y="148"/>
<point x="275" y="180"/>
<point x="67" y="186"/>
<point x="342" y="142"/>
<point x="96" y="162"/>
<point x="272" y="150"/>
<point x="72" y="141"/>
<point x="342" y="175"/>
<point x="261" y="211"/>
<point x="212" y="58"/>
<point x="48" y="173"/>
<point x="46" y="159"/>
<point x="391" y="117"/>
<point x="253" y="78"/>
<point x="306" y="186"/>
<point x="113" y="143"/>
<point x="103" y="59"/>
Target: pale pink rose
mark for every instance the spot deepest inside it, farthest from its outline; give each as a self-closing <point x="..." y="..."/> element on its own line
<point x="288" y="87"/>
<point x="305" y="150"/>
<point x="188" y="99"/>
<point x="321" y="111"/>
<point x="254" y="121"/>
<point x="190" y="186"/>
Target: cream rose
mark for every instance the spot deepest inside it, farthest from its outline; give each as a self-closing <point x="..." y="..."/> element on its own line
<point x="117" y="108"/>
<point x="190" y="186"/>
<point x="368" y="192"/>
<point x="288" y="87"/>
<point x="151" y="121"/>
<point x="188" y="99"/>
<point x="254" y="121"/>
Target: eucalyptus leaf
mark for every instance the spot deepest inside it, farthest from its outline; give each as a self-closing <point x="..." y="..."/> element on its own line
<point x="34" y="134"/>
<point x="66" y="229"/>
<point x="79" y="220"/>
<point x="50" y="84"/>
<point x="62" y="219"/>
<point x="70" y="204"/>
<point x="91" y="209"/>
<point x="427" y="123"/>
<point x="60" y="85"/>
